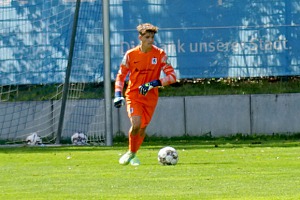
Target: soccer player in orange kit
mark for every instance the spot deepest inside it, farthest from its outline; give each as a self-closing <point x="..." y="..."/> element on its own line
<point x="144" y="64"/>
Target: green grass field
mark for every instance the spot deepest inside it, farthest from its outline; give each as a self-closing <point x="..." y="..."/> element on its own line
<point x="205" y="171"/>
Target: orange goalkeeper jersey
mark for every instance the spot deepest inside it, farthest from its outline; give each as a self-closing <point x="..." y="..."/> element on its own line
<point x="143" y="68"/>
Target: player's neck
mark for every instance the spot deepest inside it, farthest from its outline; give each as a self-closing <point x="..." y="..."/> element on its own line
<point x="145" y="49"/>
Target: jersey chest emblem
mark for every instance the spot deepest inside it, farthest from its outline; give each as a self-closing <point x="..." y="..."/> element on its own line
<point x="154" y="61"/>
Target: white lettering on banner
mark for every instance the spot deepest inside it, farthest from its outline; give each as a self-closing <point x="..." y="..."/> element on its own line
<point x="180" y="47"/>
<point x="169" y="47"/>
<point x="126" y="46"/>
<point x="254" y="46"/>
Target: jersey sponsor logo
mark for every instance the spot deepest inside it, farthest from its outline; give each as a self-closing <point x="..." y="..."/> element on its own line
<point x="146" y="71"/>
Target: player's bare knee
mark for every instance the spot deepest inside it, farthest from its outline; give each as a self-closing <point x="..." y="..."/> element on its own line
<point x="135" y="129"/>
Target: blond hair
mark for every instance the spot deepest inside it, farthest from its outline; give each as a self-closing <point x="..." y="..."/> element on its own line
<point x="147" y="27"/>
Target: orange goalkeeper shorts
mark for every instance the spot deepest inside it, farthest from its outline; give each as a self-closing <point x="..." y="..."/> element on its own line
<point x="140" y="109"/>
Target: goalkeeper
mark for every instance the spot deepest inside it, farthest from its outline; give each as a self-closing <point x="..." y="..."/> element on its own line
<point x="144" y="64"/>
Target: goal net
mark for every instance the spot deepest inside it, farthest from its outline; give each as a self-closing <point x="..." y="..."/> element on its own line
<point x="34" y="50"/>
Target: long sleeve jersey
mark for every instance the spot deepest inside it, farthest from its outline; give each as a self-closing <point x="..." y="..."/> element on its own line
<point x="143" y="68"/>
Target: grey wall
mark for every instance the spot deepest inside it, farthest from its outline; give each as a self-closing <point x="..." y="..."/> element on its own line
<point x="275" y="113"/>
<point x="221" y="115"/>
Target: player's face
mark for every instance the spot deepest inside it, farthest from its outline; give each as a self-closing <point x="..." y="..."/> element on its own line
<point x="147" y="40"/>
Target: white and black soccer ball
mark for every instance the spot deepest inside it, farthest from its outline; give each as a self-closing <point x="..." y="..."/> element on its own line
<point x="34" y="139"/>
<point x="79" y="138"/>
<point x="168" y="156"/>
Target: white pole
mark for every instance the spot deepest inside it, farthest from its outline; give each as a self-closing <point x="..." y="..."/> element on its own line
<point x="107" y="76"/>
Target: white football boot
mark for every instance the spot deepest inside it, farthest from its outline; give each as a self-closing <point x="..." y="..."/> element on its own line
<point x="126" y="158"/>
<point x="135" y="161"/>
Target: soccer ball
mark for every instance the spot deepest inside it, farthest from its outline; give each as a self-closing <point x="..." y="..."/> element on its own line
<point x="168" y="156"/>
<point x="34" y="139"/>
<point x="79" y="138"/>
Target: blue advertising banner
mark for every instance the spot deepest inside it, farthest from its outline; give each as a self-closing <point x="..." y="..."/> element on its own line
<point x="221" y="38"/>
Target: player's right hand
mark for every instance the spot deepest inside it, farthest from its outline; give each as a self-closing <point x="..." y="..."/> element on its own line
<point x="119" y="102"/>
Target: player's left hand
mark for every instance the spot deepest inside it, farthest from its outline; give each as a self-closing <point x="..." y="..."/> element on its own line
<point x="145" y="88"/>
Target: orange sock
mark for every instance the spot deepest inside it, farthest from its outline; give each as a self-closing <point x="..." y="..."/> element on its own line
<point x="140" y="141"/>
<point x="133" y="142"/>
